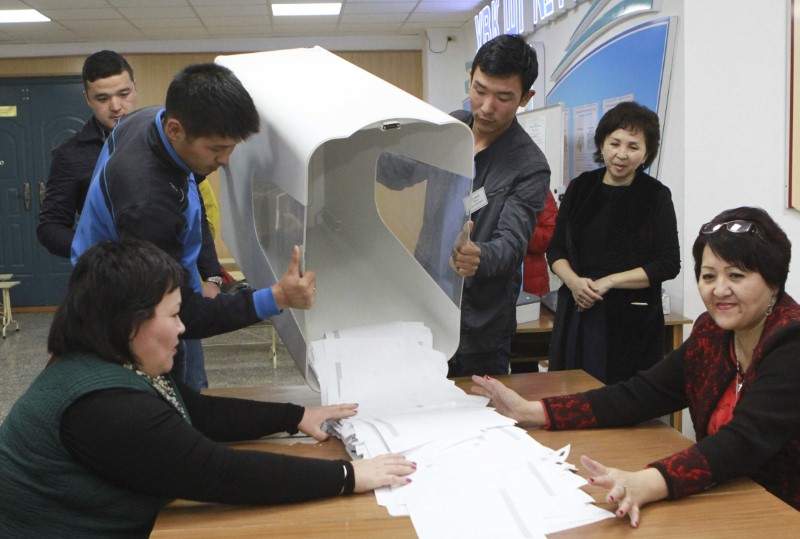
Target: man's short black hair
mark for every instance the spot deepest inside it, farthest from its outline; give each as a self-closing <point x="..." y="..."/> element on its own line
<point x="104" y="64"/>
<point x="114" y="288"/>
<point x="209" y="100"/>
<point x="508" y="55"/>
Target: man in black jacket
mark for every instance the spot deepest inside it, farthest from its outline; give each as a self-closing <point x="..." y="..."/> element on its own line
<point x="508" y="193"/>
<point x="110" y="91"/>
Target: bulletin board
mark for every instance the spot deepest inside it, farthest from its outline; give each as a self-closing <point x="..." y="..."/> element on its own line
<point x="546" y="127"/>
<point x="793" y="185"/>
<point x="634" y="65"/>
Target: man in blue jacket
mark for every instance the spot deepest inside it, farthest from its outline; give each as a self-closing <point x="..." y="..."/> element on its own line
<point x="144" y="187"/>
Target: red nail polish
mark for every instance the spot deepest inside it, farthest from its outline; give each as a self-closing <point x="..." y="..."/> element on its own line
<point x="591" y="480"/>
<point x="408" y="480"/>
<point x="620" y="513"/>
<point x="488" y="377"/>
<point x="611" y="499"/>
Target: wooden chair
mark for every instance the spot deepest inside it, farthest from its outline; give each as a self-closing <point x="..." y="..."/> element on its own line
<point x="8" y="317"/>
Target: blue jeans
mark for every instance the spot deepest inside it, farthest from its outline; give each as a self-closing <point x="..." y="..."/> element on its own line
<point x="189" y="364"/>
<point x="496" y="361"/>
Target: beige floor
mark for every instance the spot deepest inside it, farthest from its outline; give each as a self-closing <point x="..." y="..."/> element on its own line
<point x="238" y="359"/>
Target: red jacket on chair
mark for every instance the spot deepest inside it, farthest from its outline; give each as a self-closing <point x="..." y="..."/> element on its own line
<point x="535" y="278"/>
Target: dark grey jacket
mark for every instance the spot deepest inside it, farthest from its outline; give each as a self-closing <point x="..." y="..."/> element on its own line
<point x="515" y="175"/>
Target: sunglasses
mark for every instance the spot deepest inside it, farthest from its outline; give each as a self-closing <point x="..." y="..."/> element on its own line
<point x="736" y="227"/>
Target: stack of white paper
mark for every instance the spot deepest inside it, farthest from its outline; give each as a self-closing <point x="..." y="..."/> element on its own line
<point x="477" y="474"/>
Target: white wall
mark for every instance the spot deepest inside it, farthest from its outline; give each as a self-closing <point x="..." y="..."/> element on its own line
<point x="443" y="66"/>
<point x="736" y="106"/>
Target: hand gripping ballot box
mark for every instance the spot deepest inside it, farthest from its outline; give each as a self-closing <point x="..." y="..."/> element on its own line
<point x="372" y="183"/>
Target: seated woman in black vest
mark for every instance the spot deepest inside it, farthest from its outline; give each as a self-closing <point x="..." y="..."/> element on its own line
<point x="104" y="437"/>
<point x="738" y="372"/>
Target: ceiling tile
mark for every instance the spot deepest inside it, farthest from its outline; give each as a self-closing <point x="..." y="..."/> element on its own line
<point x="228" y="2"/>
<point x="148" y="12"/>
<point x="13" y="4"/>
<point x="180" y="19"/>
<point x="374" y="7"/>
<point x="264" y="30"/>
<point x="150" y="3"/>
<point x="241" y="10"/>
<point x="175" y="33"/>
<point x="234" y="22"/>
<point x="82" y="14"/>
<point x="61" y="4"/>
<point x="188" y="22"/>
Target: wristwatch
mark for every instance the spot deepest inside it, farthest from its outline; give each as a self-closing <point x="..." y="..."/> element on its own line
<point x="217" y="280"/>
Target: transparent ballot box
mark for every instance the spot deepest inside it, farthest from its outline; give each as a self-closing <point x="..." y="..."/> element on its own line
<point x="371" y="182"/>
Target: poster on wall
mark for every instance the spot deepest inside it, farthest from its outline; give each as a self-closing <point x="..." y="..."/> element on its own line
<point x="546" y="127"/>
<point x="585" y="120"/>
<point x="634" y="64"/>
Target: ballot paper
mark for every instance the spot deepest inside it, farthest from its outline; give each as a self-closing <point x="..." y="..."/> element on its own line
<point x="477" y="474"/>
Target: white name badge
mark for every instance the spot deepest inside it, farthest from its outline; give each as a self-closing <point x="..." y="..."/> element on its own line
<point x="477" y="200"/>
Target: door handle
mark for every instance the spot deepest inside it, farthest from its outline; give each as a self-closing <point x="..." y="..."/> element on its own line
<point x="41" y="194"/>
<point x="26" y="196"/>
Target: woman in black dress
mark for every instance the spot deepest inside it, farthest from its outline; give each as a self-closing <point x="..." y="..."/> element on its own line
<point x="615" y="242"/>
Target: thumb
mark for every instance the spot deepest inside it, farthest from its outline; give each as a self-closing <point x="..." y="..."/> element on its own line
<point x="470" y="226"/>
<point x="319" y="434"/>
<point x="463" y="236"/>
<point x="294" y="263"/>
<point x="593" y="466"/>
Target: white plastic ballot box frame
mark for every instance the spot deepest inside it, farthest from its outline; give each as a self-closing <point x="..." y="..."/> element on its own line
<point x="308" y="177"/>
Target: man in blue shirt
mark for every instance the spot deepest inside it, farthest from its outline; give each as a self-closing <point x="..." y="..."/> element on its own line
<point x="144" y="187"/>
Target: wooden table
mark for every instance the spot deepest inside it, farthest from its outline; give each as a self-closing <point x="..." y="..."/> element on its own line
<point x="532" y="343"/>
<point x="673" y="328"/>
<point x="738" y="508"/>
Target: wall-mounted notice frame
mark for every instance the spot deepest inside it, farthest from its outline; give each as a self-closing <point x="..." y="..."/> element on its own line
<point x="546" y="127"/>
<point x="793" y="185"/>
<point x="604" y="76"/>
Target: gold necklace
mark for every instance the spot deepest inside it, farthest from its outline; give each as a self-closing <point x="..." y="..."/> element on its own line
<point x="739" y="379"/>
<point x="739" y="351"/>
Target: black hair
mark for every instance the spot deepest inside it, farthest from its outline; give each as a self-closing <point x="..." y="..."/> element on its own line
<point x="633" y="117"/>
<point x="113" y="289"/>
<point x="209" y="100"/>
<point x="505" y="56"/>
<point x="765" y="249"/>
<point x="104" y="64"/>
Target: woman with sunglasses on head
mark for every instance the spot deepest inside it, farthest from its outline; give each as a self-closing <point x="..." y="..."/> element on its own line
<point x="104" y="437"/>
<point x="615" y="242"/>
<point x="738" y="372"/>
